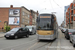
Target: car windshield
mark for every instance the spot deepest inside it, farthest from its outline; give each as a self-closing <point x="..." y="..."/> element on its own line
<point x="30" y="27"/>
<point x="14" y="29"/>
<point x="64" y="28"/>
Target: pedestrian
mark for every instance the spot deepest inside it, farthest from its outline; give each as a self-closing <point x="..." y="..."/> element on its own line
<point x="2" y="28"/>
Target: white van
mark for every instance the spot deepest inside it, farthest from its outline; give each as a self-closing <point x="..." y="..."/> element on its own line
<point x="32" y="29"/>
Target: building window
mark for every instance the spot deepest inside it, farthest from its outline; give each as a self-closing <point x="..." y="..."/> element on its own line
<point x="35" y="15"/>
<point x="23" y="20"/>
<point x="28" y="21"/>
<point x="28" y="16"/>
<point x="74" y="7"/>
<point x="23" y="13"/>
<point x="72" y="18"/>
<point x="74" y="15"/>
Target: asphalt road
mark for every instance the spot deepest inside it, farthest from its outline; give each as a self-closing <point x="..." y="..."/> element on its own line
<point x="32" y="43"/>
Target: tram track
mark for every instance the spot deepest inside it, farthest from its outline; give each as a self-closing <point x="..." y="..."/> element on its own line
<point x="35" y="44"/>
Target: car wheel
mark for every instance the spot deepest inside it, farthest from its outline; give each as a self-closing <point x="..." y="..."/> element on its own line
<point x="16" y="37"/>
<point x="7" y="38"/>
<point x="27" y="35"/>
<point x="70" y="41"/>
<point x="73" y="45"/>
<point x="65" y="36"/>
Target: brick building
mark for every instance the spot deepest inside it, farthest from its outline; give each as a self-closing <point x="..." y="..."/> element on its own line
<point x="14" y="16"/>
<point x="65" y="9"/>
<point x="70" y="16"/>
<point x="33" y="16"/>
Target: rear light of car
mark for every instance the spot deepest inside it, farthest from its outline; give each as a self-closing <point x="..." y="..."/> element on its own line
<point x="70" y="33"/>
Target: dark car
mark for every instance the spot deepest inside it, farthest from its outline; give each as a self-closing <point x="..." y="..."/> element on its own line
<point x="17" y="32"/>
<point x="68" y="32"/>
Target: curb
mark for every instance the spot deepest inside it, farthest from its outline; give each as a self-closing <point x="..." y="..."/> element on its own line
<point x="1" y="36"/>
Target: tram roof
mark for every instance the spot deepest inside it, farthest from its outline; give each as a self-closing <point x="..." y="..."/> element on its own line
<point x="46" y="14"/>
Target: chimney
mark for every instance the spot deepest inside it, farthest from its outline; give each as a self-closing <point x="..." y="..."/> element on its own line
<point x="37" y="13"/>
<point x="11" y="6"/>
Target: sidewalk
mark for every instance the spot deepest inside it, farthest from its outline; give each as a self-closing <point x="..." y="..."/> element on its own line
<point x="1" y="34"/>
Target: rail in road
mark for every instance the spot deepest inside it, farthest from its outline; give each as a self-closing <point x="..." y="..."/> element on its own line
<point x="37" y="43"/>
<point x="32" y="46"/>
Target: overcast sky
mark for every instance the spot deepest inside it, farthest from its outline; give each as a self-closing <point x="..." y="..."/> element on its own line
<point x="42" y="6"/>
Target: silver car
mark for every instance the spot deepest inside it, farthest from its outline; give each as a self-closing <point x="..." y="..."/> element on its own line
<point x="72" y="39"/>
<point x="63" y="30"/>
<point x="32" y="29"/>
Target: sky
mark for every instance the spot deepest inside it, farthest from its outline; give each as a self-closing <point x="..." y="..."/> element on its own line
<point x="43" y="6"/>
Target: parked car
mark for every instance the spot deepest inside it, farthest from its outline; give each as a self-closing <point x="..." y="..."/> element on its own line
<point x="63" y="30"/>
<point x="32" y="29"/>
<point x="60" y="28"/>
<point x="72" y="38"/>
<point x="68" y="32"/>
<point x="17" y="32"/>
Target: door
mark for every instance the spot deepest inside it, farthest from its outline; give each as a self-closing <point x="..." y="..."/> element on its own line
<point x="33" y="31"/>
<point x="20" y="32"/>
<point x="25" y="31"/>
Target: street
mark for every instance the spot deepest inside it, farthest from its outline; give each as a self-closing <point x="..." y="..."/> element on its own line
<point x="32" y="43"/>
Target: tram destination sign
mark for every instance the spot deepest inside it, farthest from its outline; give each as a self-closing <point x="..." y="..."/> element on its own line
<point x="45" y="16"/>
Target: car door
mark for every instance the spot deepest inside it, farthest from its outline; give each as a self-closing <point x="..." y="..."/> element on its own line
<point x="20" y="32"/>
<point x="25" y="31"/>
<point x="33" y="31"/>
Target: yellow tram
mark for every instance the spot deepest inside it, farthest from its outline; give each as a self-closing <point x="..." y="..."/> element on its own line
<point x="47" y="27"/>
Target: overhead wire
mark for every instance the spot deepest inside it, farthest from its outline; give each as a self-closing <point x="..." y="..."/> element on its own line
<point x="51" y="5"/>
<point x="57" y="4"/>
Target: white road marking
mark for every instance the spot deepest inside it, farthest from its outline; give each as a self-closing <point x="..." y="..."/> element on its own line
<point x="58" y="45"/>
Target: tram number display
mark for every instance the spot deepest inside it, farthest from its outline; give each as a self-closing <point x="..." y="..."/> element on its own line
<point x="45" y="16"/>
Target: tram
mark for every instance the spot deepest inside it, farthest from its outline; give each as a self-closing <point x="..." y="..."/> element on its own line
<point x="47" y="27"/>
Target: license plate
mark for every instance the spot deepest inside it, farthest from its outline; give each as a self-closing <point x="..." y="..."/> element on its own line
<point x="7" y="36"/>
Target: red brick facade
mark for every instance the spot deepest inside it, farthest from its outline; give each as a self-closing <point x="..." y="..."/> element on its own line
<point x="32" y="16"/>
<point x="4" y="16"/>
<point x="70" y="13"/>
